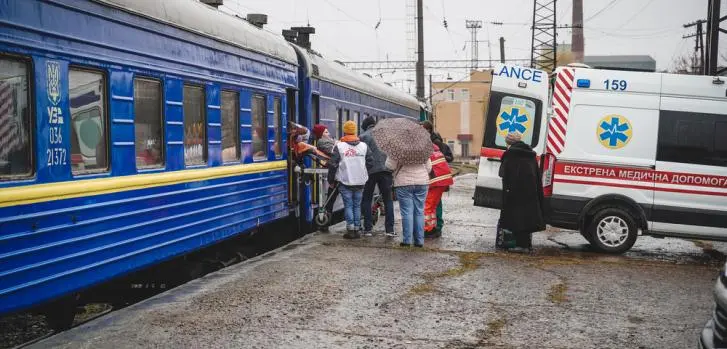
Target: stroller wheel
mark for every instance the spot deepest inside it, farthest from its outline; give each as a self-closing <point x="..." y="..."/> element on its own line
<point x="322" y="218"/>
<point x="376" y="210"/>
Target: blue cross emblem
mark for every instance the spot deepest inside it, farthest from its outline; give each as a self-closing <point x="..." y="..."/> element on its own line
<point x="615" y="131"/>
<point x="513" y="122"/>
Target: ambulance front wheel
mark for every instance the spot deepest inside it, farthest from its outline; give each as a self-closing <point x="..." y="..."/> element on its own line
<point x="612" y="230"/>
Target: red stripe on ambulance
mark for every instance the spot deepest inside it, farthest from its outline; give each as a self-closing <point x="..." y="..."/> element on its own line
<point x="646" y="177"/>
<point x="561" y="105"/>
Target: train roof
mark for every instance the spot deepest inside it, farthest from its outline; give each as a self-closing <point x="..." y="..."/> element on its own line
<point x="197" y="17"/>
<point x="340" y="75"/>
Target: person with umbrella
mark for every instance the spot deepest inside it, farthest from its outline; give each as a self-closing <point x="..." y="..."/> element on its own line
<point x="349" y="166"/>
<point x="522" y="193"/>
<point x="408" y="148"/>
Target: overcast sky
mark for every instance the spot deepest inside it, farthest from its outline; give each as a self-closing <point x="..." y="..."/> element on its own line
<point x="345" y="29"/>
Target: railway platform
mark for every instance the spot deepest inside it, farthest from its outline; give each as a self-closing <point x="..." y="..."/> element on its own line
<point x="322" y="291"/>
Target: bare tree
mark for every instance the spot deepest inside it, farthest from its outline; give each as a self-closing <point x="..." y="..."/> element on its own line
<point x="685" y="64"/>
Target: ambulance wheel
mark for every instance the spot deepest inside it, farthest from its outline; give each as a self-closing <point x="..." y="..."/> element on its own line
<point x="613" y="230"/>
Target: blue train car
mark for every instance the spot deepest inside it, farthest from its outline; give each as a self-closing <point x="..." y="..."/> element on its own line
<point x="132" y="132"/>
<point x="331" y="94"/>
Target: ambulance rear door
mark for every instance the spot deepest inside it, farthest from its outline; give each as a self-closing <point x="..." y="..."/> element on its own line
<point x="518" y="102"/>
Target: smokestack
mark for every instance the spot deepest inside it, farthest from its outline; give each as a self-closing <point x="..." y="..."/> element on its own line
<point x="577" y="39"/>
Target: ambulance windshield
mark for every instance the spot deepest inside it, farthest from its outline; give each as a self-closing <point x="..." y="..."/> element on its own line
<point x="511" y="113"/>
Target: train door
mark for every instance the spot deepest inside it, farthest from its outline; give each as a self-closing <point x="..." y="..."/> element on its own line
<point x="517" y="103"/>
<point x="291" y="96"/>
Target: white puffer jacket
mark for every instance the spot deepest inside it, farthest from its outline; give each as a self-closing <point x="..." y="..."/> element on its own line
<point x="409" y="174"/>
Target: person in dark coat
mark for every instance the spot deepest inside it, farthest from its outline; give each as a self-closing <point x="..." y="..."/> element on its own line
<point x="379" y="176"/>
<point x="444" y="148"/>
<point x="522" y="191"/>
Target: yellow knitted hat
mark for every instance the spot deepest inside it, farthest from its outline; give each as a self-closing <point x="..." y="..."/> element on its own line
<point x="349" y="128"/>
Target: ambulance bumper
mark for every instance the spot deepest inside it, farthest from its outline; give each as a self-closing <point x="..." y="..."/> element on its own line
<point x="563" y="211"/>
<point x="488" y="197"/>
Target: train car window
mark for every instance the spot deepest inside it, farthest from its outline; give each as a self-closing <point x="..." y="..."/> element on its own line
<point x="339" y="124"/>
<point x="230" y="126"/>
<point x="89" y="128"/>
<point x="316" y="109"/>
<point x="277" y="126"/>
<point x="259" y="128"/>
<point x="148" y="123"/>
<point x="15" y="124"/>
<point x="356" y="119"/>
<point x="195" y="126"/>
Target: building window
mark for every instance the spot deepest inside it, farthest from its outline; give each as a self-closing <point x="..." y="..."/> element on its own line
<point x="15" y="124"/>
<point x="148" y="123"/>
<point x="277" y="127"/>
<point x="259" y="128"/>
<point x="195" y="126"/>
<point x="692" y="138"/>
<point x="450" y="94"/>
<point x="89" y="143"/>
<point x="230" y="109"/>
<point x="464" y="94"/>
<point x="465" y="149"/>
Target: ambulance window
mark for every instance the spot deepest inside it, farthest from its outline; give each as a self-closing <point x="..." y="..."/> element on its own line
<point x="692" y="138"/>
<point x="512" y="114"/>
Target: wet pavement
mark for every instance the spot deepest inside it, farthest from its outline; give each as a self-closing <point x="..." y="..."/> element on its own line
<point x="457" y="292"/>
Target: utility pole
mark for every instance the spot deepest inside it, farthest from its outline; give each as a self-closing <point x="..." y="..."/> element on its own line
<point x="713" y="30"/>
<point x="544" y="26"/>
<point x="502" y="50"/>
<point x="474" y="26"/>
<point x="420" y="50"/>
<point x="698" y="66"/>
<point x="577" y="36"/>
<point x="431" y="92"/>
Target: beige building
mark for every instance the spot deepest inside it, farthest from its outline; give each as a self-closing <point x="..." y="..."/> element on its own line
<point x="459" y="112"/>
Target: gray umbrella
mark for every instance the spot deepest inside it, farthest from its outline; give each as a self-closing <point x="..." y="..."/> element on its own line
<point x="403" y="140"/>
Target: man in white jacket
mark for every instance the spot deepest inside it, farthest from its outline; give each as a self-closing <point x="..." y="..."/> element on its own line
<point x="349" y="166"/>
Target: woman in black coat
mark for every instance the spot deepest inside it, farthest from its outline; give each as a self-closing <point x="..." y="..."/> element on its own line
<point x="522" y="191"/>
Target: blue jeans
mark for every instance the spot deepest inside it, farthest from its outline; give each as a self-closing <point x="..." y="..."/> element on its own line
<point x="351" y="206"/>
<point x="411" y="203"/>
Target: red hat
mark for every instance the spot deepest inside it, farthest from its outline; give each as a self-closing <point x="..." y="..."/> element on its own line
<point x="318" y="130"/>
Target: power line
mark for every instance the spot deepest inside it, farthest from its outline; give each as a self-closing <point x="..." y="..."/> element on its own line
<point x="636" y="14"/>
<point x="348" y="15"/>
<point x="608" y="6"/>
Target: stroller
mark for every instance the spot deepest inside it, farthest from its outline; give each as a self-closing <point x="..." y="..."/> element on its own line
<point x="323" y="217"/>
<point x="301" y="149"/>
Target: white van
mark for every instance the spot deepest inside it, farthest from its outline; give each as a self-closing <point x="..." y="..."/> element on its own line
<point x="621" y="152"/>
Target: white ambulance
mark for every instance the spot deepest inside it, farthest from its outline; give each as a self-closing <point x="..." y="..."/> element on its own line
<point x="622" y="152"/>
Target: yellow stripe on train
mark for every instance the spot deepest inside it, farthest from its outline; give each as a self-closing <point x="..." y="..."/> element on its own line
<point x="65" y="190"/>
